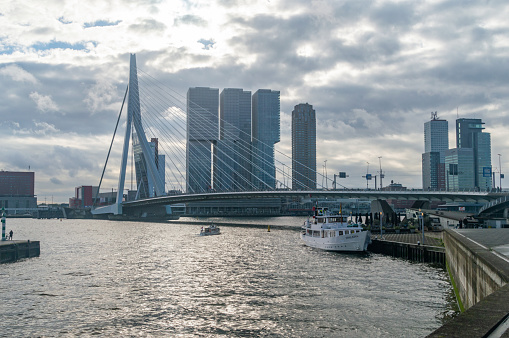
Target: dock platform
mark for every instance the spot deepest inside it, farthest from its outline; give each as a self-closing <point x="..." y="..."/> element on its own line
<point x="11" y="251"/>
<point x="409" y="246"/>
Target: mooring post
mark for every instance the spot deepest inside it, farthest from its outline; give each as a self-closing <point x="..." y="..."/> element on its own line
<point x="3" y="224"/>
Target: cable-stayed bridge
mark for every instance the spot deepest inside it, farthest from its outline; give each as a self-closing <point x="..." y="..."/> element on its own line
<point x="219" y="160"/>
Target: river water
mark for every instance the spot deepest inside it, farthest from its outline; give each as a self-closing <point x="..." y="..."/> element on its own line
<point x="156" y="279"/>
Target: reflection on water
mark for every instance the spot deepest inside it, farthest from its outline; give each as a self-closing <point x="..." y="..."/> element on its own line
<point x="127" y="278"/>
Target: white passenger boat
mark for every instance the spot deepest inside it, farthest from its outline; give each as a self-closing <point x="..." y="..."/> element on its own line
<point x="333" y="232"/>
<point x="211" y="230"/>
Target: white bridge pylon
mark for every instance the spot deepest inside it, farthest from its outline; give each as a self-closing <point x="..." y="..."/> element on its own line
<point x="134" y="118"/>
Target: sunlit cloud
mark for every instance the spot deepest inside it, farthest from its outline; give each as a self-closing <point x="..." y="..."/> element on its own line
<point x="18" y="74"/>
<point x="44" y="102"/>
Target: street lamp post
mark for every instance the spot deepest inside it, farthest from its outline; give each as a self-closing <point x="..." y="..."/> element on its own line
<point x="381" y="174"/>
<point x="367" y="173"/>
<point x="381" y="223"/>
<point x="447" y="177"/>
<point x="421" y="216"/>
<point x="500" y="168"/>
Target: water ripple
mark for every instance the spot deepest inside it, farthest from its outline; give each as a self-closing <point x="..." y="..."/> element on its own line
<point x="141" y="279"/>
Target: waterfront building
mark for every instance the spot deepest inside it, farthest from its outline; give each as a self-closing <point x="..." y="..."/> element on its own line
<point x="470" y="135"/>
<point x="436" y="136"/>
<point x="483" y="162"/>
<point x="265" y="134"/>
<point x="83" y="197"/>
<point x="303" y="147"/>
<point x="433" y="176"/>
<point x="436" y="143"/>
<point x="17" y="191"/>
<point x="202" y="134"/>
<point x="232" y="153"/>
<point x="460" y="174"/>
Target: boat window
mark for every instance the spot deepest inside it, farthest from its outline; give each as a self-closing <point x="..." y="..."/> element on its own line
<point x="340" y="233"/>
<point x="333" y="233"/>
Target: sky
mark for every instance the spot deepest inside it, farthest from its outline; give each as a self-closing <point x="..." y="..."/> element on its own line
<point x="373" y="71"/>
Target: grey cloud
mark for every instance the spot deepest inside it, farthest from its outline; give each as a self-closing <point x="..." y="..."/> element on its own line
<point x="390" y="15"/>
<point x="55" y="180"/>
<point x="368" y="92"/>
<point x="234" y="3"/>
<point x="148" y="25"/>
<point x="191" y="20"/>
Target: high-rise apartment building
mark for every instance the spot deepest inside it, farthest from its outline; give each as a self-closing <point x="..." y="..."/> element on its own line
<point x="202" y="134"/>
<point x="232" y="154"/>
<point x="303" y="147"/>
<point x="436" y="143"/>
<point x="265" y="134"/>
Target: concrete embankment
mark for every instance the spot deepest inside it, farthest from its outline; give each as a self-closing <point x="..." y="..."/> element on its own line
<point x="480" y="275"/>
<point x="11" y="251"/>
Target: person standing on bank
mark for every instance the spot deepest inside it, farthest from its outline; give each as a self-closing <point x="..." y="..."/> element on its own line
<point x="10" y="234"/>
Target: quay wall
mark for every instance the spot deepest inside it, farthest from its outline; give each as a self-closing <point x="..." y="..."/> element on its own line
<point x="481" y="277"/>
<point x="11" y="251"/>
<point x="412" y="252"/>
<point x="477" y="271"/>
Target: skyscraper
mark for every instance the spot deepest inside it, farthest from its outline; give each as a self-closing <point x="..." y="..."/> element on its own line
<point x="303" y="147"/>
<point x="265" y="134"/>
<point x="459" y="164"/>
<point x="232" y="160"/>
<point x="202" y="133"/>
<point x="470" y="163"/>
<point x="436" y="143"/>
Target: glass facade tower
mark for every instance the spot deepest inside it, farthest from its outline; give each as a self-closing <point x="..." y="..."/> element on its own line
<point x="202" y="134"/>
<point x="436" y="143"/>
<point x="265" y="134"/>
<point x="303" y="147"/>
<point x="232" y="154"/>
<point x="469" y="165"/>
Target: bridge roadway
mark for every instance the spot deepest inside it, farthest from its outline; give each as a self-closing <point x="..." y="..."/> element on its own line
<point x="445" y="196"/>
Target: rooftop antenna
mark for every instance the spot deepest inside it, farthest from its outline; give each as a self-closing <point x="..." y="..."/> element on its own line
<point x="457" y="113"/>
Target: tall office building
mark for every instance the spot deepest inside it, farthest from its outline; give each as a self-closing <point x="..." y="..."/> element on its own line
<point x="474" y="172"/>
<point x="459" y="164"/>
<point x="265" y="134"/>
<point x="232" y="154"/>
<point x="303" y="147"/>
<point x="436" y="143"/>
<point x="202" y="133"/>
<point x="483" y="160"/>
<point x="467" y="132"/>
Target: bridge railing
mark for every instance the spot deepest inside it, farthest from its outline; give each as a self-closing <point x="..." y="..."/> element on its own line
<point x="491" y="204"/>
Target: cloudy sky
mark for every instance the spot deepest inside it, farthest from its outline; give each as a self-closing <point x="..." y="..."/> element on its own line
<point x="373" y="70"/>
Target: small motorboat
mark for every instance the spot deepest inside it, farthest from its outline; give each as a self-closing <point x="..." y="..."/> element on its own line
<point x="210" y="230"/>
